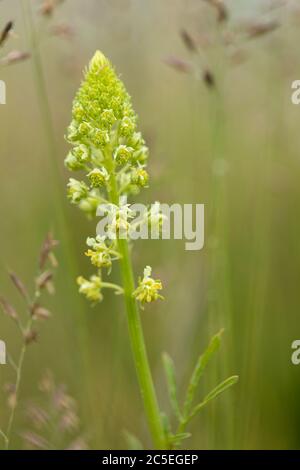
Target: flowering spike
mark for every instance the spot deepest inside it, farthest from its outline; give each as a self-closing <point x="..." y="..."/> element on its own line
<point x="108" y="147"/>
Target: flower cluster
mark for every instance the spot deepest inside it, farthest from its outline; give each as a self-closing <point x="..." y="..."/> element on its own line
<point x="100" y="253"/>
<point x="111" y="152"/>
<point x="103" y="122"/>
<point x="148" y="288"/>
<point x="90" y="288"/>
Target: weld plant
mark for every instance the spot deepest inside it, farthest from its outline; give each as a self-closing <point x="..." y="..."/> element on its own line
<point x="112" y="153"/>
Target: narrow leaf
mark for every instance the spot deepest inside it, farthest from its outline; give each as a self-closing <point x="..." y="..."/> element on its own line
<point x="221" y="387"/>
<point x="214" y="394"/>
<point x="199" y="370"/>
<point x="166" y="426"/>
<point x="171" y="382"/>
<point x="177" y="439"/>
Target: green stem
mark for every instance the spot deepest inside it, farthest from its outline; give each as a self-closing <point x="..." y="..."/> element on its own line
<point x="17" y="387"/>
<point x="139" y="350"/>
<point x="137" y="338"/>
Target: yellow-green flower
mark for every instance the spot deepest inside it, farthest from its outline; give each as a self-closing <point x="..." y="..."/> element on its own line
<point x="140" y="177"/>
<point x="77" y="190"/>
<point x="90" y="288"/>
<point x="98" y="177"/>
<point x="100" y="254"/>
<point x="102" y="101"/>
<point x="148" y="288"/>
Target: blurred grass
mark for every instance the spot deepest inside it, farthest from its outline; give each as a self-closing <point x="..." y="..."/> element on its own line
<point x="258" y="229"/>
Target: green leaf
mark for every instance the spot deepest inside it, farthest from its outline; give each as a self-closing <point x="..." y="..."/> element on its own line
<point x="133" y="443"/>
<point x="199" y="370"/>
<point x="214" y="394"/>
<point x="166" y="424"/>
<point x="171" y="382"/>
<point x="221" y="387"/>
<point x="177" y="439"/>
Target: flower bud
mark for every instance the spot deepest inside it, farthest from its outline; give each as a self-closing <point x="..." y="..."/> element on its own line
<point x="98" y="177"/>
<point x="140" y="177"/>
<point x="127" y="126"/>
<point x="99" y="138"/>
<point x="107" y="118"/>
<point x="123" y="154"/>
<point x="77" y="190"/>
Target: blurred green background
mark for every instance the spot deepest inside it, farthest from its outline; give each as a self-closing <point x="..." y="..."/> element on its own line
<point x="234" y="147"/>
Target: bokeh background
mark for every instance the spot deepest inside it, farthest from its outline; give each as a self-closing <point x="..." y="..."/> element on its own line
<point x="232" y="144"/>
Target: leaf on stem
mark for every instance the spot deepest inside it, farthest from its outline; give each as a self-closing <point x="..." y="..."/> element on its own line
<point x="215" y="393"/>
<point x="199" y="370"/>
<point x="171" y="382"/>
<point x="177" y="439"/>
<point x="221" y="387"/>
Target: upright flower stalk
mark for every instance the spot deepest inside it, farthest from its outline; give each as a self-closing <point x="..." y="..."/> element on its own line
<point x="107" y="146"/>
<point x="112" y="154"/>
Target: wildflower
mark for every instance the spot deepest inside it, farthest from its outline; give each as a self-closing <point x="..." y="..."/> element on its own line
<point x="140" y="177"/>
<point x="78" y="157"/>
<point x="140" y="156"/>
<point x="99" y="138"/>
<point x="98" y="177"/>
<point x="123" y="154"/>
<point x="101" y="255"/>
<point x="104" y="124"/>
<point x="90" y="288"/>
<point x="107" y="118"/>
<point x="105" y="101"/>
<point x="148" y="288"/>
<point x="77" y="190"/>
<point x="119" y="224"/>
<point x="127" y="126"/>
<point x="156" y="218"/>
<point x="90" y="203"/>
